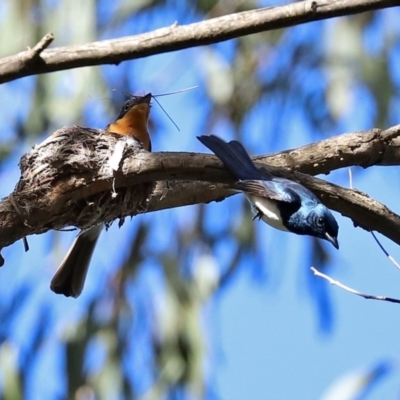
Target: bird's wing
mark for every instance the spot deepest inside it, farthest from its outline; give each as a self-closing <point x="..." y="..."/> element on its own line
<point x="272" y="190"/>
<point x="306" y="195"/>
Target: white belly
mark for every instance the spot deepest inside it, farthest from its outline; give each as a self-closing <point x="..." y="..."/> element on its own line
<point x="270" y="211"/>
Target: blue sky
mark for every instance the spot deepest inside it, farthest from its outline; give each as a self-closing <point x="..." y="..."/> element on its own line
<point x="264" y="328"/>
<point x="277" y="350"/>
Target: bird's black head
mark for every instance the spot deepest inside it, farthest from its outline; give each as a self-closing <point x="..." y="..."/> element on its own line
<point x="134" y="101"/>
<point x="315" y="220"/>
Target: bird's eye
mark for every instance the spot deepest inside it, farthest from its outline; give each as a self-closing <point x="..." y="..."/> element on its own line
<point x="320" y="221"/>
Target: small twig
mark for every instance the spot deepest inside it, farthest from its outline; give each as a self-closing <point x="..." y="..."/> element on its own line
<point x="36" y="50"/>
<point x="350" y="178"/>
<point x="19" y="213"/>
<point x="350" y="290"/>
<point x="394" y="262"/>
<point x="26" y="244"/>
<point x="386" y="253"/>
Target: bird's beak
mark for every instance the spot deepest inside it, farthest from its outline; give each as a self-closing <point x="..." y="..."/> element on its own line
<point x="332" y="239"/>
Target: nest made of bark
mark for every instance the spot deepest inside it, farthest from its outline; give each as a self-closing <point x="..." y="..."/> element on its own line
<point x="69" y="180"/>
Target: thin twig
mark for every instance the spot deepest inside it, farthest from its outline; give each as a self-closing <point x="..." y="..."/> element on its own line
<point x="394" y="262"/>
<point x="19" y="213"/>
<point x="350" y="178"/>
<point x="353" y="291"/>
<point x="25" y="243"/>
<point x="36" y="50"/>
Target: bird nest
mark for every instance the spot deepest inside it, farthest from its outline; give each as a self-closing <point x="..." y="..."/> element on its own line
<point x="70" y="180"/>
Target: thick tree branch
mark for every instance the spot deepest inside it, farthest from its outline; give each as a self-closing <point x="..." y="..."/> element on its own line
<point x="69" y="180"/>
<point x="178" y="37"/>
<point x="364" y="149"/>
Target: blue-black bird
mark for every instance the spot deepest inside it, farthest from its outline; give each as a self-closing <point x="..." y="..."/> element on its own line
<point x="280" y="202"/>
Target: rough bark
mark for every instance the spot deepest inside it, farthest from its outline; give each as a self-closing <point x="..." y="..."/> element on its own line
<point x="38" y="60"/>
<point x="81" y="177"/>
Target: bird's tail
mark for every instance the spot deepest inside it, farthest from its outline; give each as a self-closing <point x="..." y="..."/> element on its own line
<point x="71" y="274"/>
<point x="234" y="156"/>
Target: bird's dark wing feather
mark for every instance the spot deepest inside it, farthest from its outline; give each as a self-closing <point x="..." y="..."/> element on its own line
<point x="234" y="157"/>
<point x="269" y="189"/>
<point x="241" y="152"/>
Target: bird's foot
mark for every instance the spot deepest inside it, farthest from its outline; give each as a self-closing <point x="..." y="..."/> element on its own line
<point x="258" y="215"/>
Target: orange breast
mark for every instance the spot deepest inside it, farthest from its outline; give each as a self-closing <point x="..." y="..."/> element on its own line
<point x="134" y="123"/>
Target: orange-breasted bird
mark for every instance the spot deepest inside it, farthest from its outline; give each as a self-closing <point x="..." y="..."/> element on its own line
<point x="70" y="276"/>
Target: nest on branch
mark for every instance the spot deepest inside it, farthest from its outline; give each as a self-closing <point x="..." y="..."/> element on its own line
<point x="71" y="179"/>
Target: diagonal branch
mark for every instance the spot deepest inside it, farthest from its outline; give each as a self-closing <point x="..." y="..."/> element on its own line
<point x="364" y="149"/>
<point x="178" y="37"/>
<point x="353" y="291"/>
